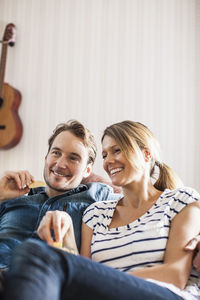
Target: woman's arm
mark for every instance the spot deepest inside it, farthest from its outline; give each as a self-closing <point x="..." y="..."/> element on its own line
<point x="86" y="238"/>
<point x="177" y="262"/>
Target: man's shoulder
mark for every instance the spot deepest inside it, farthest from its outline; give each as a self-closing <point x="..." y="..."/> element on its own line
<point x="102" y="191"/>
<point x="36" y="190"/>
<point x="84" y="193"/>
<point x="23" y="200"/>
<point x="89" y="193"/>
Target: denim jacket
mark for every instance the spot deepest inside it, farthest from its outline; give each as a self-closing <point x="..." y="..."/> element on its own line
<point x="20" y="217"/>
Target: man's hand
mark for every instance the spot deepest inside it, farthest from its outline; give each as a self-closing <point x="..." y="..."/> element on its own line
<point x="58" y="221"/>
<point x="14" y="184"/>
<point x="192" y="245"/>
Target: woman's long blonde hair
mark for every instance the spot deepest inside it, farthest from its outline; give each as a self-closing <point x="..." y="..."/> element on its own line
<point x="133" y="137"/>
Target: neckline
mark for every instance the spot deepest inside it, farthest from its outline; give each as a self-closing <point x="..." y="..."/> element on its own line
<point x="131" y="224"/>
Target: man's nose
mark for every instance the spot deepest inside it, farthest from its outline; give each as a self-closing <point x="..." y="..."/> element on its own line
<point x="61" y="162"/>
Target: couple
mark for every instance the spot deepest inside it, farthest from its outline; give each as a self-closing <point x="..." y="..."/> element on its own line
<point x="132" y="248"/>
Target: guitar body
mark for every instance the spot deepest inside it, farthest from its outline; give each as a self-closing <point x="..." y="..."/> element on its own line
<point x="11" y="128"/>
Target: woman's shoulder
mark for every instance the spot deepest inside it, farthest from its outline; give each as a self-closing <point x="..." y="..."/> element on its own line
<point x="185" y="194"/>
<point x="98" y="209"/>
<point x="107" y="204"/>
<point x="173" y="201"/>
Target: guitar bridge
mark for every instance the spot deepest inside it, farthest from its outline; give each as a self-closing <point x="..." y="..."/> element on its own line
<point x="2" y="127"/>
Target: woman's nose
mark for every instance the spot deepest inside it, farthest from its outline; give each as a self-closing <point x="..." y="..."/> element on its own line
<point x="109" y="158"/>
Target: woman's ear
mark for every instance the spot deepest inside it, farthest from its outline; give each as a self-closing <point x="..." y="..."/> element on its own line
<point x="147" y="155"/>
<point x="88" y="171"/>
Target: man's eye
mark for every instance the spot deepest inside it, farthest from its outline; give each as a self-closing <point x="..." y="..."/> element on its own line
<point x="104" y="156"/>
<point x="55" y="152"/>
<point x="74" y="158"/>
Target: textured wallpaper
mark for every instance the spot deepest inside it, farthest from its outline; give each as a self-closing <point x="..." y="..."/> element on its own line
<point x="103" y="61"/>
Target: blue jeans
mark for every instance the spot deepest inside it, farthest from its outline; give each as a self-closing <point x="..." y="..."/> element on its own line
<point x="41" y="272"/>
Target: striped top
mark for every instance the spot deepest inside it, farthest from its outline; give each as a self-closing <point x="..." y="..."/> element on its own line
<point x="141" y="243"/>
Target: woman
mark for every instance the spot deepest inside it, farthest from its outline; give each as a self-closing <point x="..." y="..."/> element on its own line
<point x="143" y="234"/>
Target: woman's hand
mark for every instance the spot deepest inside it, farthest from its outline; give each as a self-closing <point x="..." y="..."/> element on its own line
<point x="61" y="224"/>
<point x="14" y="184"/>
<point x="194" y="244"/>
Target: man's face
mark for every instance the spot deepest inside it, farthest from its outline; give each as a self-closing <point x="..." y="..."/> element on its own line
<point x="65" y="164"/>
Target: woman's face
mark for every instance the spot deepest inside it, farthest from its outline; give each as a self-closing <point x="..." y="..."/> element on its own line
<point x="118" y="168"/>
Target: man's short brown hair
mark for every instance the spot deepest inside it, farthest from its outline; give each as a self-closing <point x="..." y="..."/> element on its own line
<point x="80" y="131"/>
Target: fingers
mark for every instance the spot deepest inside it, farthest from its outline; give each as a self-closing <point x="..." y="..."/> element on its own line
<point x="57" y="225"/>
<point x="66" y="224"/>
<point x="193" y="244"/>
<point x="44" y="229"/>
<point x="61" y="224"/>
<point x="59" y="221"/>
<point x="196" y="262"/>
<point x="23" y="191"/>
<point x="21" y="178"/>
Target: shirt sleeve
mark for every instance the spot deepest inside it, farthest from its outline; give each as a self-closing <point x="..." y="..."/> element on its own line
<point x="89" y="216"/>
<point x="180" y="199"/>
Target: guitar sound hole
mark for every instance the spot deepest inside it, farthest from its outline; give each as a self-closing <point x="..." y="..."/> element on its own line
<point x="1" y="102"/>
<point x="2" y="127"/>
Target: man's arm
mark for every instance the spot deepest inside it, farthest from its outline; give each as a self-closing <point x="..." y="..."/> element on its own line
<point x="14" y="184"/>
<point x="194" y="244"/>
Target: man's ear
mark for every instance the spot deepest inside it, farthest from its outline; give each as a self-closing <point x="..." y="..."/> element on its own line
<point x="88" y="171"/>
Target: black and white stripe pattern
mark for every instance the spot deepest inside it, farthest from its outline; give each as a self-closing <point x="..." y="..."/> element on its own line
<point x="141" y="243"/>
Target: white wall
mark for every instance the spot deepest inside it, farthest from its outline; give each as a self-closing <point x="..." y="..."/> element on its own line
<point x="103" y="61"/>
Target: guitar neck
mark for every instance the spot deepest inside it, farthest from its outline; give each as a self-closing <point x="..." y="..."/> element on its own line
<point x="3" y="65"/>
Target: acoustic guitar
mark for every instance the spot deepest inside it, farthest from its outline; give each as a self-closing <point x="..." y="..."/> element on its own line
<point x="11" y="128"/>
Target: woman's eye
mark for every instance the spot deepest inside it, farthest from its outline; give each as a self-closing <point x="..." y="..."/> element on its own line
<point x="117" y="150"/>
<point x="104" y="156"/>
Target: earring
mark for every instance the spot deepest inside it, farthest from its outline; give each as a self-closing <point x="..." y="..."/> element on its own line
<point x="147" y="157"/>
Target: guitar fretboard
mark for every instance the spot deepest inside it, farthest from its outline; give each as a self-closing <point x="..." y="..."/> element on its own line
<point x="3" y="66"/>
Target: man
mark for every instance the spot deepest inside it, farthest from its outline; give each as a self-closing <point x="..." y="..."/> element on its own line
<point x="70" y="156"/>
